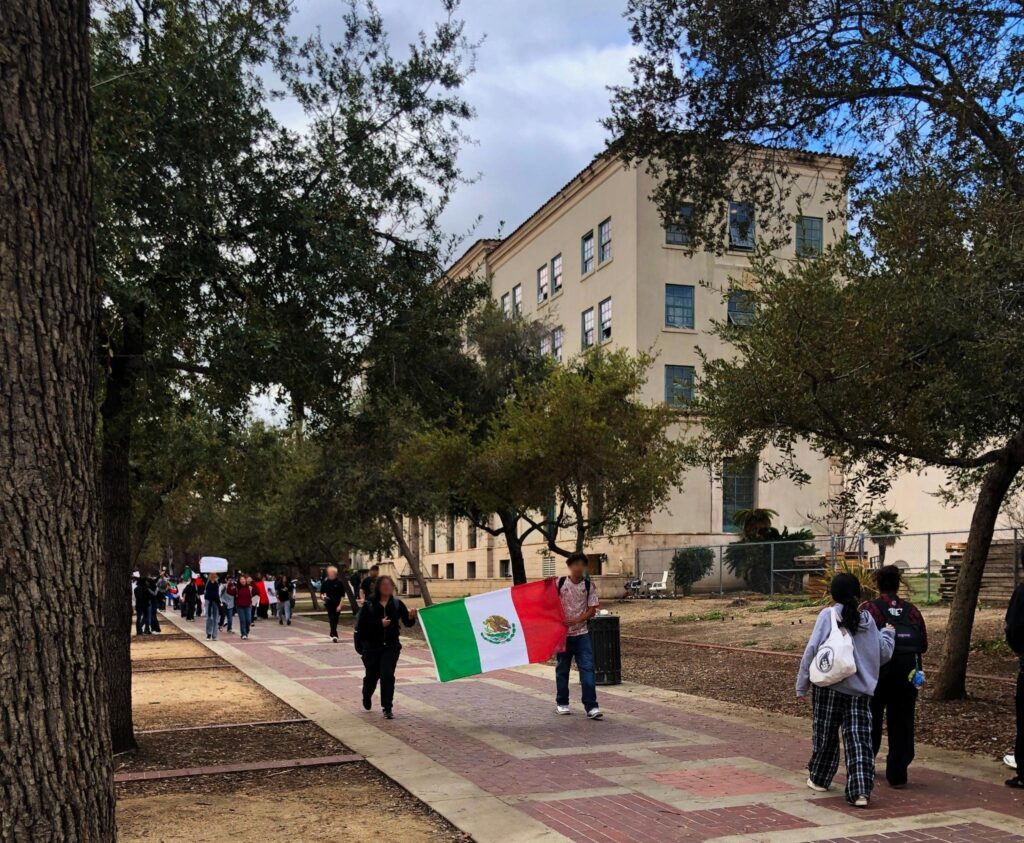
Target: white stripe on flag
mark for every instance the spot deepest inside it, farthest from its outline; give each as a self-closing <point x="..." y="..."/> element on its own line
<point x="494" y="656"/>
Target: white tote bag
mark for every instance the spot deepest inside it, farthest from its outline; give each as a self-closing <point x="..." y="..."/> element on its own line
<point x="834" y="660"/>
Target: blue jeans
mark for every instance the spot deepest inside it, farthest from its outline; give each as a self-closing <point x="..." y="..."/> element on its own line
<point x="580" y="648"/>
<point x="229" y="613"/>
<point x="212" y="618"/>
<point x="244" y="619"/>
<point x="284" y="611"/>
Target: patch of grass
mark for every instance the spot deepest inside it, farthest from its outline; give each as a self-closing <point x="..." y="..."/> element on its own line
<point x="762" y="623"/>
<point x="917" y="585"/>
<point x="786" y="605"/>
<point x="749" y="644"/>
<point x="789" y="645"/>
<point x="715" y="615"/>
<point x="992" y="646"/>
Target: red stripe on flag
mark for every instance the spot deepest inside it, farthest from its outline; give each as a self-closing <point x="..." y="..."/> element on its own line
<point x="261" y="587"/>
<point x="540" y="611"/>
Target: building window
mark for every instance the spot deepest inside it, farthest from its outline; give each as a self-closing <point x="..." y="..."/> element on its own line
<point x="471" y="570"/>
<point x="741" y="226"/>
<point x="505" y="568"/>
<point x="679" y="232"/>
<point x="679" y="305"/>
<point x="588" y="327"/>
<point x="808" y="236"/>
<point x="556" y="274"/>
<point x="517" y="299"/>
<point x="739" y="479"/>
<point x="449" y="571"/>
<point x="604" y="241"/>
<point x="547" y="566"/>
<point x="741" y="307"/>
<point x="545" y="344"/>
<point x="471" y="537"/>
<point x="432" y="544"/>
<point x="604" y="312"/>
<point x="434" y="572"/>
<point x="557" y="337"/>
<point x="542" y="283"/>
<point x="679" y="385"/>
<point x="450" y="533"/>
<point x="587" y="253"/>
<point x="505" y="306"/>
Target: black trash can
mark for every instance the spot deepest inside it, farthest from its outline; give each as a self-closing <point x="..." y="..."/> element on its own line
<point x="604" y="634"/>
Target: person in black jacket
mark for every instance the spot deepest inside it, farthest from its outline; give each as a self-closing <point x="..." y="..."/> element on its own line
<point x="1015" y="638"/>
<point x="332" y="590"/>
<point x="377" y="641"/>
<point x="191" y="598"/>
<point x="141" y="608"/>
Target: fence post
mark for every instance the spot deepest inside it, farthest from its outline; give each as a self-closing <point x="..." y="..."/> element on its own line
<point x="721" y="572"/>
<point x="928" y="569"/>
<point x="771" y="587"/>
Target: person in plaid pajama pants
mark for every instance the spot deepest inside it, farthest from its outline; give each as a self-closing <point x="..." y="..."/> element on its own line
<point x="832" y="711"/>
<point x="846" y="705"/>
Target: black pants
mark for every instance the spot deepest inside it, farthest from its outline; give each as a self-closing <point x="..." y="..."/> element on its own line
<point x="1019" y="745"/>
<point x="190" y="609"/>
<point x="894" y="701"/>
<point x="332" y="615"/>
<point x="380" y="667"/>
<point x="141" y="621"/>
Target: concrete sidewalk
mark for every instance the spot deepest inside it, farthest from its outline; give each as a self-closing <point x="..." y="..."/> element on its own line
<point x="491" y="756"/>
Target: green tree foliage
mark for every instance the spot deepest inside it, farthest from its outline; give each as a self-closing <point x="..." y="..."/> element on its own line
<point x="890" y="352"/>
<point x="765" y="561"/>
<point x="240" y="254"/>
<point x="884" y="527"/>
<point x="690" y="565"/>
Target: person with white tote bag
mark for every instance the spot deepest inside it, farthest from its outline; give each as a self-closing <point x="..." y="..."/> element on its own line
<point x="840" y="668"/>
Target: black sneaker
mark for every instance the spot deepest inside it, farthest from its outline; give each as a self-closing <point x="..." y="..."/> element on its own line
<point x="388" y="715"/>
<point x="1017" y="783"/>
<point x="367" y="703"/>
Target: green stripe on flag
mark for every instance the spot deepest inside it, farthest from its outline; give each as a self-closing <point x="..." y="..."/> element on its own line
<point x="452" y="642"/>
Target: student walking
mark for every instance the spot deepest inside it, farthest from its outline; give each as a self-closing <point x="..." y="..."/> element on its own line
<point x="332" y="590"/>
<point x="191" y="598"/>
<point x="355" y="580"/>
<point x="284" y="600"/>
<point x="579" y="605"/>
<point x="377" y="641"/>
<point x="846" y="704"/>
<point x="367" y="585"/>
<point x="211" y="595"/>
<point x="142" y="608"/>
<point x="227" y="599"/>
<point x="243" y="606"/>
<point x="1015" y="638"/>
<point x="895" y="698"/>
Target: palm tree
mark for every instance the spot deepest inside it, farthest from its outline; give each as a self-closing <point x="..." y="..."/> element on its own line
<point x="885" y="528"/>
<point x="754" y="522"/>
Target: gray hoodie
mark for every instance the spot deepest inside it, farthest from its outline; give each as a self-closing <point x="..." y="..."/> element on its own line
<point x="871" y="649"/>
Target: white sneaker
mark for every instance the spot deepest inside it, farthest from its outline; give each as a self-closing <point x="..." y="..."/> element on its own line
<point x="860" y="802"/>
<point x="815" y="787"/>
<point x="1010" y="761"/>
<point x="562" y="709"/>
<point x="334" y="638"/>
<point x="595" y="713"/>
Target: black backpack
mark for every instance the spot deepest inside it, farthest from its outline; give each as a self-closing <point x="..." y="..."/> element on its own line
<point x="561" y="582"/>
<point x="909" y="635"/>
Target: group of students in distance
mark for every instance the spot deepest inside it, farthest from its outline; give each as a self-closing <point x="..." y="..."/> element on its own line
<point x="862" y="665"/>
<point x="382" y="614"/>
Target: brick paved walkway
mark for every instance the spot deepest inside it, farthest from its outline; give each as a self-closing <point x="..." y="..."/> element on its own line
<point x="490" y="754"/>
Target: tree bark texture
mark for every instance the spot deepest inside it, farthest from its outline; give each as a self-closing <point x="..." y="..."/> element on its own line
<point x="413" y="558"/>
<point x="510" y="527"/>
<point x="115" y="492"/>
<point x="951" y="680"/>
<point x="56" y="779"/>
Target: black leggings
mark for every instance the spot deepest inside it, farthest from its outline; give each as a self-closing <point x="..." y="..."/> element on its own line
<point x="380" y="664"/>
<point x="333" y="613"/>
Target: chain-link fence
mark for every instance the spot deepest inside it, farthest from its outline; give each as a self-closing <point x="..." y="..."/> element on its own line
<point x="930" y="563"/>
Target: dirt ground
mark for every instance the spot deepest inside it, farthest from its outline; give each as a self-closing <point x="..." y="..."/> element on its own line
<point x="982" y="724"/>
<point x="309" y="805"/>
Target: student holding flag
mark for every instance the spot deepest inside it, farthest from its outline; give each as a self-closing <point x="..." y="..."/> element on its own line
<point x="377" y="641"/>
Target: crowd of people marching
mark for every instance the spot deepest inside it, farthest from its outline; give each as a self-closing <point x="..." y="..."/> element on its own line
<point x="861" y="667"/>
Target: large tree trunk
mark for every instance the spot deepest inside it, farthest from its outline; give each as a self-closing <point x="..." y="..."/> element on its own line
<point x="412" y="556"/>
<point x="510" y="529"/>
<point x="56" y="781"/>
<point x="115" y="492"/>
<point x="950" y="683"/>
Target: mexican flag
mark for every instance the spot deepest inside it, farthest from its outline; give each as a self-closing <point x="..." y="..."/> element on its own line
<point x="267" y="592"/>
<point x="505" y="628"/>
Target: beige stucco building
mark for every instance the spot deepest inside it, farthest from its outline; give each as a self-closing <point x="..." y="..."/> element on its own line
<point x="597" y="265"/>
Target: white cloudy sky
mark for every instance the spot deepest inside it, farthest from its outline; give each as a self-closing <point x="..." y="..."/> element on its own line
<point x="539" y="91"/>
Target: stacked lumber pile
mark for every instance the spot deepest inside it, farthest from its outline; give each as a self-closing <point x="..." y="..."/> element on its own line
<point x="999" y="579"/>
